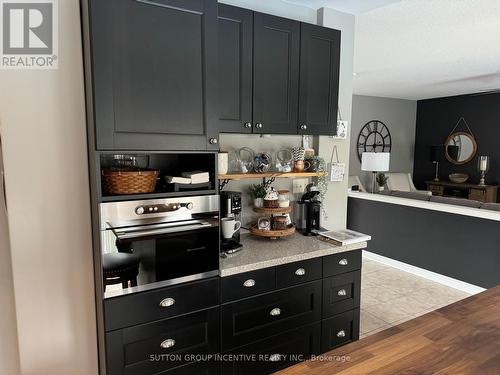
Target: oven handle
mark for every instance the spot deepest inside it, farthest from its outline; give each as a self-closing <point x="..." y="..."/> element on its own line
<point x="124" y="235"/>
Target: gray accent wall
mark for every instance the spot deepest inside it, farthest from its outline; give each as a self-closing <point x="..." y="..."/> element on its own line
<point x="400" y="117"/>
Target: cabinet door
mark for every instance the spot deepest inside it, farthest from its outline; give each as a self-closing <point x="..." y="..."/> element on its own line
<point x="162" y="345"/>
<point x="276" y="74"/>
<point x="269" y="314"/>
<point x="154" y="73"/>
<point x="319" y="80"/>
<point x="234" y="91"/>
<point x="272" y="354"/>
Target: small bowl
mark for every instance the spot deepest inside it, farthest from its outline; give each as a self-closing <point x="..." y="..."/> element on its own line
<point x="458" y="178"/>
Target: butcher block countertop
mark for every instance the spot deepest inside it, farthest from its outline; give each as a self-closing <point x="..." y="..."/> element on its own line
<point x="461" y="338"/>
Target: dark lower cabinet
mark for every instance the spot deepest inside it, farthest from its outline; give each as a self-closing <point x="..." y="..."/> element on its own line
<point x="341" y="293"/>
<point x="319" y="79"/>
<point x="235" y="70"/>
<point x="154" y="66"/>
<point x="277" y="352"/>
<point x="249" y="320"/>
<point x="276" y="74"/>
<point x="340" y="330"/>
<point x="253" y="323"/>
<point x="150" y="348"/>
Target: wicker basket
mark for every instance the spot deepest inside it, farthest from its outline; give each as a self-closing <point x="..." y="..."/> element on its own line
<point x="126" y="181"/>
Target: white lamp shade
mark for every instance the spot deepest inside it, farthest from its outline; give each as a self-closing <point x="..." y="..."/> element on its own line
<point x="375" y="161"/>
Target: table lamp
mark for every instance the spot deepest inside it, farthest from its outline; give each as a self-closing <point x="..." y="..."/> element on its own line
<point x="375" y="162"/>
<point x="435" y="157"/>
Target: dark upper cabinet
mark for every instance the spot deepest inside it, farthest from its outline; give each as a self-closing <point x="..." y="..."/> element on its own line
<point x="276" y="74"/>
<point x="154" y="73"/>
<point x="319" y="79"/>
<point x="235" y="69"/>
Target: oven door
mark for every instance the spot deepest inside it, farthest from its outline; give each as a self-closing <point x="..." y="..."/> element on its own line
<point x="174" y="252"/>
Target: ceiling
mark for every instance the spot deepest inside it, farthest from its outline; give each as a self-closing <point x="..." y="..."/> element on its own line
<point x="347" y="6"/>
<point x="418" y="49"/>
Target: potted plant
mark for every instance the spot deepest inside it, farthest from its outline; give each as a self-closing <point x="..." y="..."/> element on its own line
<point x="257" y="193"/>
<point x="381" y="181"/>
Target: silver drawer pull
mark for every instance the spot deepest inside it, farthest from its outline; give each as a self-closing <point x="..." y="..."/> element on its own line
<point x="300" y="272"/>
<point x="275" y="357"/>
<point x="343" y="262"/>
<point x="341" y="333"/>
<point x="275" y="312"/>
<point x="168" y="343"/>
<point x="249" y="283"/>
<point x="342" y="292"/>
<point x="167" y="302"/>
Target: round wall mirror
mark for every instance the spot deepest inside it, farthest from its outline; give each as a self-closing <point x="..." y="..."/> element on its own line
<point x="460" y="148"/>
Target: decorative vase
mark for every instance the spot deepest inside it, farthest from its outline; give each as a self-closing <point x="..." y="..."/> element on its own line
<point x="381" y="188"/>
<point x="258" y="202"/>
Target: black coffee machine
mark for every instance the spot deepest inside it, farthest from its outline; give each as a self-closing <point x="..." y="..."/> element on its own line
<point x="307" y="213"/>
<point x="230" y="206"/>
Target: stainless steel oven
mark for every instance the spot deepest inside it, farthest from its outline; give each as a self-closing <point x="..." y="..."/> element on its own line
<point x="172" y="240"/>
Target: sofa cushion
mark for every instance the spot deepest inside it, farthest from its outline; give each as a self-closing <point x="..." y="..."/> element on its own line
<point x="457" y="201"/>
<point x="410" y="195"/>
<point x="491" y="206"/>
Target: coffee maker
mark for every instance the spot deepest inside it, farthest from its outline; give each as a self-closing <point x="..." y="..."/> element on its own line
<point x="230" y="206"/>
<point x="307" y="213"/>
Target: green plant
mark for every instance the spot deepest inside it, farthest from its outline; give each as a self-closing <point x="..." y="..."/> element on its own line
<point x="382" y="179"/>
<point x="257" y="191"/>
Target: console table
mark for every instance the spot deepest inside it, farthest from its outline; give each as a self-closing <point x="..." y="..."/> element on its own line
<point x="486" y="194"/>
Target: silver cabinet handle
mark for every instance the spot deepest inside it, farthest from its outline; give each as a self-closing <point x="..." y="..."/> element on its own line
<point x="248" y="125"/>
<point x="275" y="357"/>
<point x="343" y="262"/>
<point x="275" y="312"/>
<point x="342" y="292"/>
<point x="300" y="272"/>
<point x="303" y="127"/>
<point x="167" y="302"/>
<point x="341" y="333"/>
<point x="249" y="283"/>
<point x="213" y="141"/>
<point x="259" y="125"/>
<point x="168" y="343"/>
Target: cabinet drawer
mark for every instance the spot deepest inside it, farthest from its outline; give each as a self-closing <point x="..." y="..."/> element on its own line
<point x="139" y="349"/>
<point x="248" y="284"/>
<point x="256" y="318"/>
<point x="477" y="195"/>
<point x="341" y="293"/>
<point x="339" y="330"/>
<point x="341" y="263"/>
<point x="144" y="307"/>
<point x="298" y="272"/>
<point x="195" y="368"/>
<point x="276" y="352"/>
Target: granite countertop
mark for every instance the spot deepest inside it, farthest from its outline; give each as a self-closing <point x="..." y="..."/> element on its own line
<point x="261" y="253"/>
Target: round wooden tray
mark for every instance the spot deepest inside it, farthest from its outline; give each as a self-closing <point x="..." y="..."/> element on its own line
<point x="274" y="210"/>
<point x="272" y="234"/>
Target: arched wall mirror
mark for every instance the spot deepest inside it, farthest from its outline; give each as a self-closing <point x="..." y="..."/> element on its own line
<point x="460" y="147"/>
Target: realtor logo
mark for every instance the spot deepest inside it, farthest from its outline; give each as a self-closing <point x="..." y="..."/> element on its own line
<point x="29" y="34"/>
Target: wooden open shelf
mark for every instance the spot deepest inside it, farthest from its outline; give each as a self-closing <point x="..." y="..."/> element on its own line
<point x="273" y="211"/>
<point x="272" y="234"/>
<point x="242" y="176"/>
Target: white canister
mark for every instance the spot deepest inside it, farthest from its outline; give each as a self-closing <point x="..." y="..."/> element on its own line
<point x="223" y="162"/>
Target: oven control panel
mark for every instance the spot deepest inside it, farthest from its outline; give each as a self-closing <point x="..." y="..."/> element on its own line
<point x="159" y="208"/>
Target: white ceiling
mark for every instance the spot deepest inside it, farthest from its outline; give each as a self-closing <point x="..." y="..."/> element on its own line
<point x="417" y="49"/>
<point x="347" y="6"/>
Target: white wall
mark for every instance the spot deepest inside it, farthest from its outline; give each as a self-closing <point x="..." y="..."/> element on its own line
<point x="336" y="198"/>
<point x="400" y="117"/>
<point x="43" y="129"/>
<point x="9" y="353"/>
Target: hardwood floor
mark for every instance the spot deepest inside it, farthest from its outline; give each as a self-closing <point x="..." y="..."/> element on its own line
<point x="461" y="338"/>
